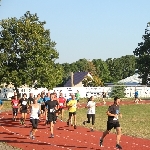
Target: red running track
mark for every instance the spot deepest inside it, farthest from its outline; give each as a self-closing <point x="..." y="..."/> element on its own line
<point x="66" y="138"/>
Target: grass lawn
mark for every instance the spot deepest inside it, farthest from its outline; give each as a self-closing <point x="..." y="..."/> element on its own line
<point x="135" y="120"/>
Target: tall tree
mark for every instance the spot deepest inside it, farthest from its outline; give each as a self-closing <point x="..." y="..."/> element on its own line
<point x="143" y="54"/>
<point x="102" y="70"/>
<point x="27" y="54"/>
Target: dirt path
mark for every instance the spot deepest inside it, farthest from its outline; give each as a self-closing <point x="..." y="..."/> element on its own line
<point x="66" y="138"/>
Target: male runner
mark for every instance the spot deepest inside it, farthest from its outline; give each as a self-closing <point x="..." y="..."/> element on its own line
<point x="113" y="122"/>
<point x="51" y="107"/>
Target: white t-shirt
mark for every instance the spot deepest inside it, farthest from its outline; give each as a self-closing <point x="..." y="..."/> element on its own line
<point x="91" y="110"/>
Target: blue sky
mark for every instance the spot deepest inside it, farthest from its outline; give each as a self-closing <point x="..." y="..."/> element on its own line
<point x="91" y="29"/>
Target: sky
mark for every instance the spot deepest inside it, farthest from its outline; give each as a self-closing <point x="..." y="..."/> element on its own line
<point x="90" y="29"/>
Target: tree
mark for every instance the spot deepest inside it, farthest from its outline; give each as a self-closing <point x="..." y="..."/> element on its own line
<point x="121" y="68"/>
<point x="117" y="90"/>
<point x="102" y="70"/>
<point x="143" y="54"/>
<point x="27" y="53"/>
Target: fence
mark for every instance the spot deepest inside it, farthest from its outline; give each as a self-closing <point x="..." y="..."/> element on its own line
<point x="7" y="93"/>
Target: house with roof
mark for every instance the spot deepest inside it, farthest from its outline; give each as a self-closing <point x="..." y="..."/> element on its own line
<point x="76" y="79"/>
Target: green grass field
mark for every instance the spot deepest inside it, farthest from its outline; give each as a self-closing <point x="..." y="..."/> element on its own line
<point x="135" y="120"/>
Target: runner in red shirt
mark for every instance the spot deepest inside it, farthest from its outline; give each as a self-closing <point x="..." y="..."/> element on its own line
<point x="62" y="104"/>
<point x="15" y="105"/>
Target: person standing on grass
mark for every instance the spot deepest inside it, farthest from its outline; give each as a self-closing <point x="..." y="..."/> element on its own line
<point x="91" y="112"/>
<point x="51" y="106"/>
<point x="15" y="106"/>
<point x="72" y="105"/>
<point x="113" y="122"/>
<point x="35" y="110"/>
<point x="103" y="97"/>
<point x="23" y="108"/>
<point x="77" y="95"/>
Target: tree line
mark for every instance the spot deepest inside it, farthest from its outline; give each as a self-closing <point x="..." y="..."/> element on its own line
<point x="28" y="56"/>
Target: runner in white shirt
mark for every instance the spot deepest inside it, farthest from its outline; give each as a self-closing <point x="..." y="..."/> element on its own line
<point x="35" y="110"/>
<point x="91" y="112"/>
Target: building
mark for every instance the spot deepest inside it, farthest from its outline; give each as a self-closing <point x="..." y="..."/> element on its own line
<point x="76" y="79"/>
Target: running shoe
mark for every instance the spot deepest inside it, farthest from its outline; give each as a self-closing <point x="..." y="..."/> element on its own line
<point x="52" y="136"/>
<point x="101" y="143"/>
<point x="31" y="135"/>
<point x="84" y="122"/>
<point x="75" y="126"/>
<point x="118" y="146"/>
<point x="92" y="130"/>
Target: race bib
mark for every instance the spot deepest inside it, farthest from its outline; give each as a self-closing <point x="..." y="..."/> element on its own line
<point x="61" y="104"/>
<point x="115" y="118"/>
<point x="74" y="105"/>
<point x="15" y="104"/>
<point x="24" y="103"/>
<point x="52" y="110"/>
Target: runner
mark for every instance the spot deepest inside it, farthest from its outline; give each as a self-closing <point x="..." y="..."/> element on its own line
<point x="1" y="105"/>
<point x="52" y="107"/>
<point x="137" y="99"/>
<point x="56" y="99"/>
<point x="35" y="110"/>
<point x="41" y="102"/>
<point x="30" y="99"/>
<point x="91" y="112"/>
<point x="23" y="108"/>
<point x="15" y="106"/>
<point x="46" y="98"/>
<point x="68" y="99"/>
<point x="113" y="114"/>
<point x="62" y="104"/>
<point x="72" y="105"/>
<point x="77" y="95"/>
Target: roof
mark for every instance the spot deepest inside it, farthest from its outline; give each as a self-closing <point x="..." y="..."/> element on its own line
<point x="77" y="78"/>
<point x="132" y="80"/>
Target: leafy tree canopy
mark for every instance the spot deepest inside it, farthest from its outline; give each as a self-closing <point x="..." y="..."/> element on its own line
<point x="27" y="53"/>
<point x="143" y="54"/>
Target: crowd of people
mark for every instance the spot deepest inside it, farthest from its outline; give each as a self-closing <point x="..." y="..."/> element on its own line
<point x="51" y="105"/>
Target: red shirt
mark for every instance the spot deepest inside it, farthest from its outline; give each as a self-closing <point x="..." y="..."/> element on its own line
<point x="15" y="103"/>
<point x="62" y="101"/>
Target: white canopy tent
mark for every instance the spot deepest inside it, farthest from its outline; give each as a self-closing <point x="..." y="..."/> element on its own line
<point x="132" y="80"/>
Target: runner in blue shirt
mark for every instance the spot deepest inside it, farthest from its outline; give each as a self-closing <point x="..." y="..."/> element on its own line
<point x="1" y="103"/>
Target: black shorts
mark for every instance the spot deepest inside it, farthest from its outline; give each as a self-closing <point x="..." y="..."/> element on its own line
<point x="23" y="110"/>
<point x="34" y="123"/>
<point x="15" y="111"/>
<point x="72" y="114"/>
<point x="89" y="116"/>
<point x="43" y="107"/>
<point x="111" y="125"/>
<point x="51" y="117"/>
<point x="136" y="97"/>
